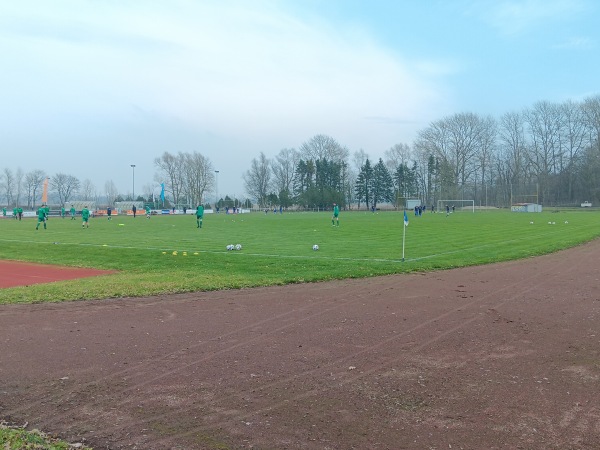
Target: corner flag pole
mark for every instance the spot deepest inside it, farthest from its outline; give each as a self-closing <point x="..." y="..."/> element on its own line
<point x="404" y="234"/>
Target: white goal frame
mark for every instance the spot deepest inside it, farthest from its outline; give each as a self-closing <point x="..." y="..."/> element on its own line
<point x="441" y="204"/>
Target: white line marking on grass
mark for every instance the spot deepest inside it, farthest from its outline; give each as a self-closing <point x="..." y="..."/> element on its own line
<point x="267" y="255"/>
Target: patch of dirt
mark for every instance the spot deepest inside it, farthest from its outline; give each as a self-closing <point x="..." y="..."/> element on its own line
<point x="499" y="356"/>
<point x="17" y="273"/>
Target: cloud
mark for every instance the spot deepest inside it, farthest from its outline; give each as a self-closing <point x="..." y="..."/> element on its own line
<point x="577" y="43"/>
<point x="229" y="66"/>
<point x="513" y="17"/>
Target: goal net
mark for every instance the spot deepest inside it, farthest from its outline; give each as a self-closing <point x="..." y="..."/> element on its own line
<point x="456" y="205"/>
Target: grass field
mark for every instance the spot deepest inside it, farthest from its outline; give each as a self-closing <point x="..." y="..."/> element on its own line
<point x="277" y="249"/>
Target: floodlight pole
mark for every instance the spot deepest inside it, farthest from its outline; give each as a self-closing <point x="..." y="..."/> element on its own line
<point x="133" y="182"/>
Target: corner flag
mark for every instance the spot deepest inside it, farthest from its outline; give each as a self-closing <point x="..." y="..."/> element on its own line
<point x="404" y="233"/>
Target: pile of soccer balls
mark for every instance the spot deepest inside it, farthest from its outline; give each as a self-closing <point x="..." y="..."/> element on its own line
<point x="234" y="247"/>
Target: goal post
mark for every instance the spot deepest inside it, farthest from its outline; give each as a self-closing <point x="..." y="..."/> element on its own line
<point x="459" y="205"/>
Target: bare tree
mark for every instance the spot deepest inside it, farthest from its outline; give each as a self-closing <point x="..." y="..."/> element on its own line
<point x="199" y="177"/>
<point x="485" y="155"/>
<point x="8" y="186"/>
<point x="323" y="147"/>
<point x="545" y="152"/>
<point x="65" y="186"/>
<point x="88" y="190"/>
<point x="258" y="178"/>
<point x="32" y="184"/>
<point x="591" y="110"/>
<point x="573" y="140"/>
<point x="171" y="173"/>
<point x="19" y="175"/>
<point x="111" y="192"/>
<point x="284" y="168"/>
<point x="511" y="163"/>
<point x="397" y="155"/>
<point x="454" y="140"/>
<point x="359" y="158"/>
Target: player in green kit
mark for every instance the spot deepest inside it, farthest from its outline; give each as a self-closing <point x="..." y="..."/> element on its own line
<point x="336" y="215"/>
<point x="85" y="217"/>
<point x="147" y="212"/>
<point x="72" y="211"/>
<point x="62" y="212"/>
<point x="15" y="215"/>
<point x="41" y="212"/>
<point x="4" y="212"/>
<point x="199" y="215"/>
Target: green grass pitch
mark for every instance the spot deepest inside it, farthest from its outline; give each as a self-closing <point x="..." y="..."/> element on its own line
<point x="276" y="249"/>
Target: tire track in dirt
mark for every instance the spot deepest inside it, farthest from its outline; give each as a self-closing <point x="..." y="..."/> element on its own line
<point x="118" y="376"/>
<point x="382" y="363"/>
<point x="335" y="363"/>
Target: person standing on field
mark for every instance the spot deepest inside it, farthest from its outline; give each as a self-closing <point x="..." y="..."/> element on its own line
<point x="85" y="217"/>
<point x="148" y="212"/>
<point x="72" y="211"/>
<point x="109" y="213"/>
<point x="199" y="216"/>
<point x="336" y="215"/>
<point x="134" y="209"/>
<point x="62" y="212"/>
<point x="41" y="213"/>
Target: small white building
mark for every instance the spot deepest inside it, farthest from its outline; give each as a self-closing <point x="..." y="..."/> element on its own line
<point x="412" y="202"/>
<point x="526" y="207"/>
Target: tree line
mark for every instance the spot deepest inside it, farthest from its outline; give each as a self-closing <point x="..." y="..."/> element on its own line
<point x="186" y="178"/>
<point x="548" y="153"/>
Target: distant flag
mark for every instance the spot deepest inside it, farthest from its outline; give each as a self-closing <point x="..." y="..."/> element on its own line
<point x="405" y="219"/>
<point x="45" y="191"/>
<point x="162" y="191"/>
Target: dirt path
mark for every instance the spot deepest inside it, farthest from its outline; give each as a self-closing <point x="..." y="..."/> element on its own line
<point x="499" y="356"/>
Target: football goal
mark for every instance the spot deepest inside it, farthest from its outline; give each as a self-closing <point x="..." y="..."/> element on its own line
<point x="456" y="205"/>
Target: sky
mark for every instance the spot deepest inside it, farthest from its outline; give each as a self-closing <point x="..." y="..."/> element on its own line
<point x="90" y="87"/>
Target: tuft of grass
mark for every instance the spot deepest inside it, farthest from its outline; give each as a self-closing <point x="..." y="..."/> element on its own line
<point x="17" y="438"/>
<point x="168" y="254"/>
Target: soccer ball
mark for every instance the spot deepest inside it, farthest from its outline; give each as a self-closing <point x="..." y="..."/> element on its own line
<point x="230" y="247"/>
<point x="238" y="246"/>
<point x="315" y="247"/>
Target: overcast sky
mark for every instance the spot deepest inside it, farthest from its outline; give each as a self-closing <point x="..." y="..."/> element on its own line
<point x="89" y="87"/>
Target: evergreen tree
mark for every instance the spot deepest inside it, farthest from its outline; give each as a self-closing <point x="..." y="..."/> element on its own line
<point x="363" y="184"/>
<point x="382" y="185"/>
